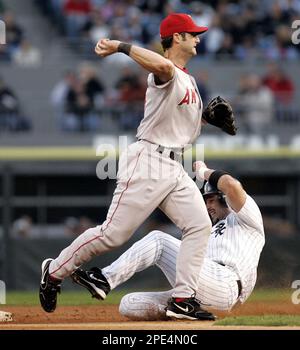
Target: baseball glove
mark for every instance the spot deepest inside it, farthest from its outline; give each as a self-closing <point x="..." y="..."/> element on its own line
<point x="219" y="113"/>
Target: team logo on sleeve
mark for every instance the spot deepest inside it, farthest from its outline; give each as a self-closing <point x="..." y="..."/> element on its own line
<point x="219" y="229"/>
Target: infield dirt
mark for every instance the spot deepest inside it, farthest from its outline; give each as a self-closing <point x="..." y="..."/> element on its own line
<point x="107" y="317"/>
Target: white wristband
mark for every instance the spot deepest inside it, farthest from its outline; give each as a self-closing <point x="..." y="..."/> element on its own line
<point x="201" y="172"/>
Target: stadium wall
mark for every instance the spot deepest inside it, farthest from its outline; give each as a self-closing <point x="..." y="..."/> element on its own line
<point x="51" y="188"/>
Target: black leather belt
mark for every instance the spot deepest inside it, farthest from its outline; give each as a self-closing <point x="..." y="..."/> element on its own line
<point x="171" y="154"/>
<point x="174" y="155"/>
<point x="239" y="283"/>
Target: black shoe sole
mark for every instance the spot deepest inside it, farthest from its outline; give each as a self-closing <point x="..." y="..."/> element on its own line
<point x="77" y="279"/>
<point x="44" y="307"/>
<point x="173" y="314"/>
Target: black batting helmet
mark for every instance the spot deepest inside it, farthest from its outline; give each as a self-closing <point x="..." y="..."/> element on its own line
<point x="208" y="189"/>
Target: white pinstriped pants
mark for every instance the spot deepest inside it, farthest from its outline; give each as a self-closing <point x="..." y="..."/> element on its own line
<point x="217" y="286"/>
<point x="146" y="180"/>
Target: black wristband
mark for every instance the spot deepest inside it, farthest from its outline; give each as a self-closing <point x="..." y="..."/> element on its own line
<point x="215" y="176"/>
<point x="124" y="48"/>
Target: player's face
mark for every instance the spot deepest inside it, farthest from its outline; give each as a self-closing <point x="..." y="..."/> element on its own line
<point x="189" y="42"/>
<point x="215" y="209"/>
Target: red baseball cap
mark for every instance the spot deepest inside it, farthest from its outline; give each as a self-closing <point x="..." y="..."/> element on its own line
<point x="179" y="23"/>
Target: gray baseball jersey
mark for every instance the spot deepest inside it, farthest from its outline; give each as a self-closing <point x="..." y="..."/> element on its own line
<point x="148" y="179"/>
<point x="173" y="111"/>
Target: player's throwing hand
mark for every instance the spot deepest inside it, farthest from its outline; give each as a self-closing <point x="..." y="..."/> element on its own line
<point x="106" y="47"/>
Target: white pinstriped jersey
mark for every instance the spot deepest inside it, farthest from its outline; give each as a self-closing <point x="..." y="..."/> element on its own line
<point x="237" y="242"/>
<point x="173" y="111"/>
<point x="233" y="252"/>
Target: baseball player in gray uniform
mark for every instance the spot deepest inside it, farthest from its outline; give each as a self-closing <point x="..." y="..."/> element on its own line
<point x="172" y="120"/>
<point x="228" y="273"/>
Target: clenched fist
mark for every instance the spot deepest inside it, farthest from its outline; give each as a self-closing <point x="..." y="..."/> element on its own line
<point x="106" y="47"/>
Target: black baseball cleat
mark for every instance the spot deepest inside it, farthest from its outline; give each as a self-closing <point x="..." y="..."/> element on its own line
<point x="93" y="280"/>
<point x="48" y="288"/>
<point x="189" y="309"/>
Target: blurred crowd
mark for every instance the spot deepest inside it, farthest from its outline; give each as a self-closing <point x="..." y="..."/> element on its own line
<point x="82" y="101"/>
<point x="18" y="48"/>
<point x="262" y="100"/>
<point x="238" y="29"/>
<point x="25" y="227"/>
<point x="12" y="118"/>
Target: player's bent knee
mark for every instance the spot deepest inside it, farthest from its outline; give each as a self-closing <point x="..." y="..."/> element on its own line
<point x="155" y="234"/>
<point x="127" y="307"/>
<point x="137" y="307"/>
<point x="115" y="238"/>
<point x="109" y="239"/>
<point x="124" y="308"/>
<point x="161" y="236"/>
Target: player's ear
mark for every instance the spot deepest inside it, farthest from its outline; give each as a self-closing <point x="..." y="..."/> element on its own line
<point x="176" y="37"/>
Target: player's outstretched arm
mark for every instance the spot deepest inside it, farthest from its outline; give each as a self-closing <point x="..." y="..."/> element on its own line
<point x="151" y="61"/>
<point x="231" y="187"/>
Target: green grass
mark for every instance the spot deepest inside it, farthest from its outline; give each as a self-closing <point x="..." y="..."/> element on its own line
<point x="65" y="298"/>
<point x="267" y="320"/>
<point x="84" y="298"/>
<point x="271" y="294"/>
